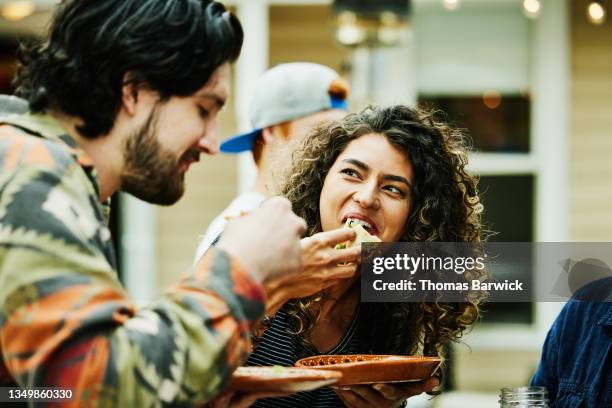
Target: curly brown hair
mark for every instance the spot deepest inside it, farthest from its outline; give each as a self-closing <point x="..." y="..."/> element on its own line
<point x="445" y="208"/>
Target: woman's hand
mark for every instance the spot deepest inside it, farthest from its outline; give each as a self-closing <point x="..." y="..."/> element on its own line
<point x="323" y="267"/>
<point x="384" y="395"/>
<point x="240" y="399"/>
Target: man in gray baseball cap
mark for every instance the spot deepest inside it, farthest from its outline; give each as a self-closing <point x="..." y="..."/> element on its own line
<point x="289" y="100"/>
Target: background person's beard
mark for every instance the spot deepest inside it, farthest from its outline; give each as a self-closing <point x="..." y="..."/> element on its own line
<point x="151" y="173"/>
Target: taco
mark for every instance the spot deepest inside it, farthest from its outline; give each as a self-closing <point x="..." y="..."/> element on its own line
<point x="361" y="235"/>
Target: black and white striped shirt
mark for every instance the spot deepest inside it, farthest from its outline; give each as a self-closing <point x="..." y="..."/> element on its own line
<point x="277" y="347"/>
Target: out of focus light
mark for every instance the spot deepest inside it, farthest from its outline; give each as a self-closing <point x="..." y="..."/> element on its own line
<point x="17" y="10"/>
<point x="384" y="28"/>
<point x="390" y="29"/>
<point x="389" y="18"/>
<point x="451" y="4"/>
<point x="532" y="8"/>
<point x="491" y="99"/>
<point x="596" y="13"/>
<point x="389" y="35"/>
<point x="349" y="32"/>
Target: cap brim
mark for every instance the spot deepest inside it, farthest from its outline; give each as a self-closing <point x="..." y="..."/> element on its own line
<point x="240" y="143"/>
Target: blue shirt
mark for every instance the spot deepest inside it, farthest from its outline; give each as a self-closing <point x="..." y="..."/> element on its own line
<point x="576" y="362"/>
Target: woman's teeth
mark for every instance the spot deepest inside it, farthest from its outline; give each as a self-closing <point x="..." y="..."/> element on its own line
<point x="360" y="222"/>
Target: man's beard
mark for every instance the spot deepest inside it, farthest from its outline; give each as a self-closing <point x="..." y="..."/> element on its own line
<point x="151" y="173"/>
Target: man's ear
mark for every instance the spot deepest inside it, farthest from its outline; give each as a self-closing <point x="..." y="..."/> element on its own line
<point x="267" y="134"/>
<point x="129" y="94"/>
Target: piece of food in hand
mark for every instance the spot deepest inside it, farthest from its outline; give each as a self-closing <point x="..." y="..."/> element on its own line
<point x="361" y="235"/>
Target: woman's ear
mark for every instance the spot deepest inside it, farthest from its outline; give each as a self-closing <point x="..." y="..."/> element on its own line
<point x="129" y="94"/>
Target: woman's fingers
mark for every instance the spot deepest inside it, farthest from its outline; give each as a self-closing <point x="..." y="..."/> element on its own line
<point x="352" y="400"/>
<point x="384" y="395"/>
<point x="367" y="393"/>
<point x="404" y="391"/>
<point x="388" y="391"/>
<point x="374" y="398"/>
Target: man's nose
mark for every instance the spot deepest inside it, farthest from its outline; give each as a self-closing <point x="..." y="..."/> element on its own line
<point x="210" y="141"/>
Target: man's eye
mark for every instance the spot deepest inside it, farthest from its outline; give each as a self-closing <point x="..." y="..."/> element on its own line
<point x="204" y="113"/>
<point x="350" y="172"/>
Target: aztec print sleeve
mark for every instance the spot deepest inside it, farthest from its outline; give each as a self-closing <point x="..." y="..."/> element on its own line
<point x="67" y="322"/>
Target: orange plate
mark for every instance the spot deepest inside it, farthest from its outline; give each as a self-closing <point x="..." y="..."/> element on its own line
<point x="370" y="369"/>
<point x="281" y="379"/>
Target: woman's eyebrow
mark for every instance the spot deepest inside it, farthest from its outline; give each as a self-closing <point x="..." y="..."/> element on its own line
<point x="390" y="177"/>
<point x="393" y="177"/>
<point x="357" y="163"/>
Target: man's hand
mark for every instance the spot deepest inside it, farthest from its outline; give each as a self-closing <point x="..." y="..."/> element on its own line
<point x="267" y="241"/>
<point x="323" y="267"/>
<point x="384" y="395"/>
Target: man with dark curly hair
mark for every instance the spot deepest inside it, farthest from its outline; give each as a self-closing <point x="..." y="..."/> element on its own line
<point x="124" y="95"/>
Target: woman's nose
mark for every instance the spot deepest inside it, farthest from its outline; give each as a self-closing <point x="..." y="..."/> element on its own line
<point x="367" y="196"/>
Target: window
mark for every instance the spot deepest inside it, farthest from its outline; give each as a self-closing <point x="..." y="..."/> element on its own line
<point x="512" y="220"/>
<point x="497" y="128"/>
<point x="473" y="64"/>
<point x="496" y="123"/>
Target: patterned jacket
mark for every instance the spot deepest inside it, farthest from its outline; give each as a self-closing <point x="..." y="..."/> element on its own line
<point x="67" y="322"/>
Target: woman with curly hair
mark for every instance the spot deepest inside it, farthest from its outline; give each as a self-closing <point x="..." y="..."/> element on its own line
<point x="401" y="174"/>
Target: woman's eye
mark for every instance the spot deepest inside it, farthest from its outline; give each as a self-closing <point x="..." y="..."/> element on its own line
<point x="395" y="190"/>
<point x="350" y="172"/>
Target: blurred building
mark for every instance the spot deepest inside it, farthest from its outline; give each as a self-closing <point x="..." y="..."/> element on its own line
<point x="531" y="81"/>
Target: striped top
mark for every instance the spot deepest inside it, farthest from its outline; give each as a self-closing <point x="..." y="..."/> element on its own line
<point x="277" y="347"/>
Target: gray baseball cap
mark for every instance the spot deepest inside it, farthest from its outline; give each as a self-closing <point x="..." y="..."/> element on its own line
<point x="288" y="92"/>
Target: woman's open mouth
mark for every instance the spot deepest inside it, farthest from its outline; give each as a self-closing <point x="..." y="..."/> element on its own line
<point x="367" y="223"/>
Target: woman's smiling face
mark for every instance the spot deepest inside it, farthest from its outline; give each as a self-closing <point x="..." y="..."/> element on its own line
<point x="370" y="181"/>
